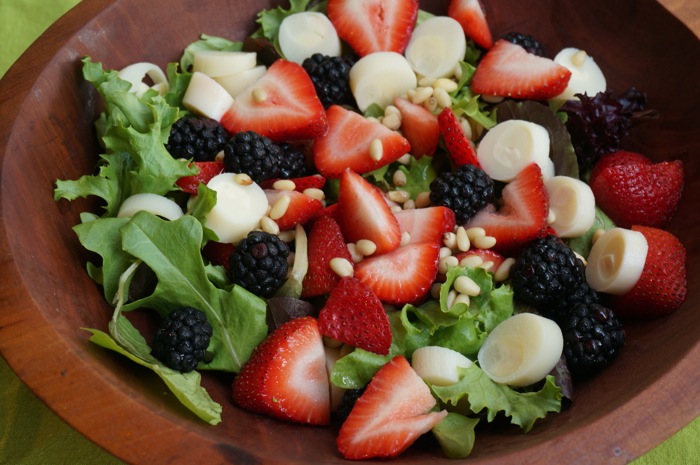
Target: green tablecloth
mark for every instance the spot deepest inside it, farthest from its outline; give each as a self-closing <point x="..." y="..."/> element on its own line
<point x="30" y="434"/>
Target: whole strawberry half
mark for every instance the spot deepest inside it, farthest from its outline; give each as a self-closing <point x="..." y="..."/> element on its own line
<point x="662" y="287"/>
<point x="471" y="16"/>
<point x="641" y="193"/>
<point x="354" y="315"/>
<point x="348" y="144"/>
<point x="374" y="25"/>
<point x="390" y="415"/>
<point x="508" y="70"/>
<point x="286" y="375"/>
<point x="325" y="242"/>
<point x="282" y="105"/>
<point x="522" y="216"/>
<point x="363" y="213"/>
<point x="401" y="276"/>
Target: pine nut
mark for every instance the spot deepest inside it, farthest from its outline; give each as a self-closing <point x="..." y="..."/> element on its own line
<point x="392" y="121"/>
<point x="280" y="207"/>
<point x="315" y="193"/>
<point x="466" y="128"/>
<point x="427" y="81"/>
<point x="579" y="58"/>
<point x="399" y="178"/>
<point x="422" y="94"/>
<point x="451" y="297"/>
<point x="551" y="216"/>
<point x="431" y="104"/>
<point x="376" y="150"/>
<point x="466" y="285"/>
<point x="405" y="238"/>
<point x="446" y="263"/>
<point x="423" y="199"/>
<point x="444" y="252"/>
<point x="365" y="247"/>
<point x="398" y="196"/>
<point x="391" y="110"/>
<point x="259" y="95"/>
<point x="287" y="236"/>
<point x="219" y="156"/>
<point x="445" y="84"/>
<point x="242" y="179"/>
<point x="354" y="254"/>
<point x="405" y="159"/>
<point x="463" y="242"/>
<point x="461" y="299"/>
<point x="435" y="290"/>
<point x="484" y="242"/>
<point x="487" y="265"/>
<point x="395" y="208"/>
<point x="503" y="271"/>
<point x="449" y="239"/>
<point x="284" y="185"/>
<point x="409" y="204"/>
<point x="475" y="232"/>
<point x="342" y="267"/>
<point x="442" y="98"/>
<point x="471" y="261"/>
<point x="269" y="225"/>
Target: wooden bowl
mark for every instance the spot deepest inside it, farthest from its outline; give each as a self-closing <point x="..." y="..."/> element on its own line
<point x="46" y="133"/>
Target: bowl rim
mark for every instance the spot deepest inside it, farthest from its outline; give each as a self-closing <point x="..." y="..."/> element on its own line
<point x="13" y="340"/>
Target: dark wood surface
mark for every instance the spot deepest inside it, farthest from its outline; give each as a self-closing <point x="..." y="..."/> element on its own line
<point x="46" y="133"/>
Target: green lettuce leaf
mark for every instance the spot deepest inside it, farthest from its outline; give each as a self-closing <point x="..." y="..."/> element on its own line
<point x="185" y="386"/>
<point x="207" y="42"/>
<point x="456" y="435"/>
<point x="523" y="408"/>
<point x="172" y="250"/>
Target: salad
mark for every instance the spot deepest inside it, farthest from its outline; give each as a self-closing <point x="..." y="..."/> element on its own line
<point x="395" y="224"/>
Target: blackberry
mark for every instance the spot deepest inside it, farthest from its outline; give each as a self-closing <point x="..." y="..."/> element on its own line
<point x="466" y="191"/>
<point x="545" y="272"/>
<point x="593" y="337"/>
<point x="197" y="138"/>
<point x="347" y="402"/>
<point x="526" y="41"/>
<point x="253" y="154"/>
<point x="293" y="162"/>
<point x="259" y="263"/>
<point x="581" y="294"/>
<point x="182" y="338"/>
<point x="330" y="76"/>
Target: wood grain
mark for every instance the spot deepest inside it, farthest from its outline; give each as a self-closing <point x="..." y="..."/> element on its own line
<point x="46" y="133"/>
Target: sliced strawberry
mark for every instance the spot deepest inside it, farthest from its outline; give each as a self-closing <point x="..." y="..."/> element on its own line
<point x="642" y="194"/>
<point x="354" y="315"/>
<point x="286" y="375"/>
<point x="419" y="126"/>
<point x="374" y="25"/>
<point x="458" y="145"/>
<point x="364" y="214"/>
<point x="523" y="216"/>
<point x="390" y="415"/>
<point x="426" y="224"/>
<point x="486" y="255"/>
<point x="347" y="144"/>
<point x="402" y="276"/>
<point x="325" y="242"/>
<point x="218" y="253"/>
<point x="618" y="158"/>
<point x="207" y="170"/>
<point x="471" y="16"/>
<point x="315" y="181"/>
<point x="281" y="105"/>
<point x="507" y="70"/>
<point x="663" y="285"/>
<point x="301" y="207"/>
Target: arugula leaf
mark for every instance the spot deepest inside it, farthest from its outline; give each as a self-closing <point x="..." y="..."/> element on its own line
<point x="172" y="250"/>
<point x="455" y="434"/>
<point x="185" y="386"/>
<point x="523" y="408"/>
<point x="207" y="42"/>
